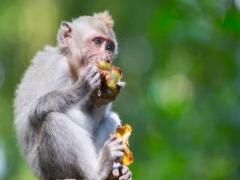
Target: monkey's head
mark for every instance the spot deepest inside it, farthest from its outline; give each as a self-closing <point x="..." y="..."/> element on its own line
<point x="89" y="38"/>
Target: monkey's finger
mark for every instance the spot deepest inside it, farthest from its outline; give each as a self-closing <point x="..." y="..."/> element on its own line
<point x="117" y="142"/>
<point x="116" y="165"/>
<point x="83" y="74"/>
<point x="95" y="84"/>
<point x="87" y="68"/>
<point x="127" y="176"/>
<point x="117" y="155"/>
<point x="92" y="72"/>
<point x="85" y="71"/>
<point x="118" y="148"/>
<point x="113" y="137"/>
<point x="115" y="172"/>
<point x="125" y="169"/>
<point x="96" y="77"/>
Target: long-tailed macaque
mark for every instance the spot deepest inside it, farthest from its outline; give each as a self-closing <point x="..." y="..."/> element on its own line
<point x="61" y="134"/>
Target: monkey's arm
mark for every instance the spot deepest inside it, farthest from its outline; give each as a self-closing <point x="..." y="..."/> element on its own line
<point x="59" y="100"/>
<point x="107" y="127"/>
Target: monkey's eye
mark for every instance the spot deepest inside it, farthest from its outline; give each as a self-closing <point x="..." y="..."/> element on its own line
<point x="98" y="41"/>
<point x="110" y="46"/>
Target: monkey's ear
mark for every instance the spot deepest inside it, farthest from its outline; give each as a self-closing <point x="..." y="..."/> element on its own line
<point x="64" y="36"/>
<point x="105" y="17"/>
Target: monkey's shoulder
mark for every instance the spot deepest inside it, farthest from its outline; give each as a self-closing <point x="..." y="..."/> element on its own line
<point x="48" y="71"/>
<point x="47" y="59"/>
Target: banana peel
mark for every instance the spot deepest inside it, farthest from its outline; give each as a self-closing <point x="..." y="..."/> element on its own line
<point x="111" y="83"/>
<point x="123" y="132"/>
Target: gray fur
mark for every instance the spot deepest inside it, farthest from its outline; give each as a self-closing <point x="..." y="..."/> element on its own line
<point x="58" y="138"/>
<point x="60" y="134"/>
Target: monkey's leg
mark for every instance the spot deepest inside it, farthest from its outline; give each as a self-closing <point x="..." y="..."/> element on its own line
<point x="106" y="128"/>
<point x="102" y="135"/>
<point x="65" y="149"/>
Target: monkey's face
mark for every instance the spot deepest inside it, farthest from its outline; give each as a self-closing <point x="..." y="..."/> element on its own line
<point x="99" y="47"/>
<point x="91" y="37"/>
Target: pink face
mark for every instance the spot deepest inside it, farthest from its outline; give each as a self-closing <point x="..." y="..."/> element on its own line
<point x="100" y="48"/>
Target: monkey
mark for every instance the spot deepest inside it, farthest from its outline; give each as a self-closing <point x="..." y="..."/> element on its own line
<point x="60" y="133"/>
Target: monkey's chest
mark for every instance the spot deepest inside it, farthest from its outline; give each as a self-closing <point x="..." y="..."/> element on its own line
<point x="81" y="119"/>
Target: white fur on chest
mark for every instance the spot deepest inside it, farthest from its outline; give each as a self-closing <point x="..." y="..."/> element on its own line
<point x="81" y="118"/>
<point x="87" y="121"/>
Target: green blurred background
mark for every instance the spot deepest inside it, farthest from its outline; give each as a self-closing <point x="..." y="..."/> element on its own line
<point x="181" y="60"/>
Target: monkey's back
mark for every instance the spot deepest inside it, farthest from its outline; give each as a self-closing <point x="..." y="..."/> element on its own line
<point x="48" y="71"/>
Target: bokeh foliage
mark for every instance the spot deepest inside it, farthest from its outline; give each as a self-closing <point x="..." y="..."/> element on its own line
<point x="181" y="60"/>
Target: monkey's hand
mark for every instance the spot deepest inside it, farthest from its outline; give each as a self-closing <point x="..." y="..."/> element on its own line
<point x="89" y="80"/>
<point x="120" y="172"/>
<point x="112" y="151"/>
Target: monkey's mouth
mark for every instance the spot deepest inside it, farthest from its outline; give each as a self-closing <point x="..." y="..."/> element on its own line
<point x="107" y="60"/>
<point x="96" y="59"/>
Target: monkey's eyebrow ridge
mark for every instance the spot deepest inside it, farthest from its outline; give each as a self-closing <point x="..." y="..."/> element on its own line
<point x="104" y="39"/>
